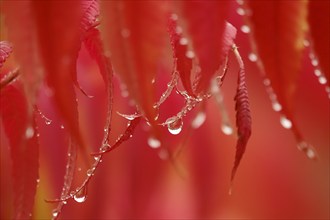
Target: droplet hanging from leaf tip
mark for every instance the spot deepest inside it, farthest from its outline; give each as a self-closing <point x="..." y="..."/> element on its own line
<point x="174" y="125"/>
<point x="55" y="213"/>
<point x="81" y="196"/>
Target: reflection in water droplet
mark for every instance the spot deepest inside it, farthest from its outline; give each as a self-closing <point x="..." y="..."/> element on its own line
<point x="245" y="29"/>
<point x="81" y="196"/>
<point x="227" y="129"/>
<point x="286" y="123"/>
<point x="29" y="132"/>
<point x="253" y="57"/>
<point x="198" y="120"/>
<point x="154" y="142"/>
<point x="174" y="125"/>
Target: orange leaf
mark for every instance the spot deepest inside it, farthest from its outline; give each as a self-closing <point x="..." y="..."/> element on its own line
<point x="206" y="22"/>
<point x="22" y="135"/>
<point x="278" y="29"/>
<point x="136" y="33"/>
<point x="319" y="20"/>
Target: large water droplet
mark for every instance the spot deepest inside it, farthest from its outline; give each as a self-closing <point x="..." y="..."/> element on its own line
<point x="286" y="123"/>
<point x="227" y="129"/>
<point x="154" y="142"/>
<point x="29" y="133"/>
<point x="174" y="125"/>
<point x="253" y="57"/>
<point x="81" y="196"/>
<point x="198" y="120"/>
<point x="240" y="11"/>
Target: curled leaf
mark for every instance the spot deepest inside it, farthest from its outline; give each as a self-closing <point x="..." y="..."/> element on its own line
<point x="5" y="50"/>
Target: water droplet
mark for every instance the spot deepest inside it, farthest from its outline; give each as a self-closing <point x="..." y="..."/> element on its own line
<point x="183" y="41"/>
<point x="29" y="132"/>
<point x="310" y="153"/>
<point x="129" y="117"/>
<point x="62" y="126"/>
<point x="38" y="180"/>
<point x="190" y="54"/>
<point x="47" y="121"/>
<point x="315" y="62"/>
<point x="105" y="147"/>
<point x="55" y="213"/>
<point x="240" y="11"/>
<point x="267" y="82"/>
<point x="125" y="33"/>
<point x="90" y="172"/>
<point x="198" y="120"/>
<point x="178" y="30"/>
<point x="245" y="29"/>
<point x="253" y="57"/>
<point x="97" y="157"/>
<point x="79" y="169"/>
<point x="286" y="123"/>
<point x="81" y="196"/>
<point x="227" y="129"/>
<point x="276" y="106"/>
<point x="163" y="154"/>
<point x="174" y="125"/>
<point x="317" y="72"/>
<point x="322" y="80"/>
<point x="64" y="202"/>
<point x="308" y="149"/>
<point x="240" y="2"/>
<point x="154" y="142"/>
<point x="174" y="17"/>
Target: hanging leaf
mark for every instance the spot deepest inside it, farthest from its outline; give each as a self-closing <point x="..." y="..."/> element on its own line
<point x="205" y="24"/>
<point x="21" y="32"/>
<point x="59" y="42"/>
<point x="136" y="33"/>
<point x="278" y="29"/>
<point x="180" y="48"/>
<point x="22" y="135"/>
<point x="243" y="115"/>
<point x="319" y="21"/>
<point x="5" y="51"/>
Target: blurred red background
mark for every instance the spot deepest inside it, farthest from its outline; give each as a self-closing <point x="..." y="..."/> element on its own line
<point x="274" y="181"/>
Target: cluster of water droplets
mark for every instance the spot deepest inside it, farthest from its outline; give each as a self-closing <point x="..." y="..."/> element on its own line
<point x="81" y="195"/>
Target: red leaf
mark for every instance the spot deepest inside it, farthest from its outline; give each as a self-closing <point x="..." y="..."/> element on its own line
<point x="5" y="51"/>
<point x="278" y="29"/>
<point x="22" y="135"/>
<point x="136" y="33"/>
<point x="243" y="115"/>
<point x="21" y="32"/>
<point x="182" y="61"/>
<point x="319" y="21"/>
<point x="206" y="22"/>
<point x="59" y="43"/>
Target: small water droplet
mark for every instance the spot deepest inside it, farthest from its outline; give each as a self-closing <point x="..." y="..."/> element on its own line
<point x="198" y="120"/>
<point x="105" y="147"/>
<point x="47" y="121"/>
<point x="310" y="153"/>
<point x="240" y="11"/>
<point x="38" y="180"/>
<point x="245" y="29"/>
<point x="267" y="82"/>
<point x="276" y="106"/>
<point x="286" y="123"/>
<point x="90" y="172"/>
<point x="317" y="72"/>
<point x="81" y="196"/>
<point x="190" y="54"/>
<point x="227" y="129"/>
<point x="178" y="30"/>
<point x="253" y="57"/>
<point x="97" y="157"/>
<point x="154" y="142"/>
<point x="62" y="126"/>
<point x="174" y="125"/>
<point x="183" y="41"/>
<point x="29" y="133"/>
<point x="308" y="149"/>
<point x="174" y="17"/>
<point x="315" y="62"/>
<point x="79" y="169"/>
<point x="322" y="80"/>
<point x="55" y="213"/>
<point x="64" y="202"/>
